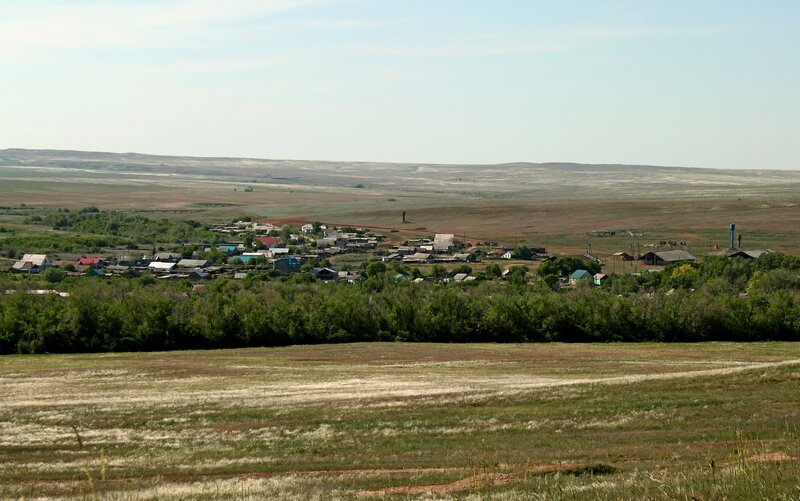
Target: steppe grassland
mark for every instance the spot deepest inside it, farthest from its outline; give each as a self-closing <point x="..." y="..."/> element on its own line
<point x="398" y="420"/>
<point x="556" y="206"/>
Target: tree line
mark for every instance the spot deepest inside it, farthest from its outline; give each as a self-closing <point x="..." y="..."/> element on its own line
<point x="717" y="299"/>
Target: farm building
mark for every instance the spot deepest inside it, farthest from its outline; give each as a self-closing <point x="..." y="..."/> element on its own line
<point x="622" y="256"/>
<point x="600" y="278"/>
<point x="749" y="254"/>
<point x="663" y="258"/>
<point x="444" y="242"/>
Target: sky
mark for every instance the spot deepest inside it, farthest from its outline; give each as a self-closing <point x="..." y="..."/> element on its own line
<point x="695" y="83"/>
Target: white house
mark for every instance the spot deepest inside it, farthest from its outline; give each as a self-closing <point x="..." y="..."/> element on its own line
<point x="160" y="266"/>
<point x="32" y="263"/>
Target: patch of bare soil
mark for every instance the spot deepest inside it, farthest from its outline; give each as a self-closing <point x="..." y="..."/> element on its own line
<point x="769" y="457"/>
<point x="469" y="483"/>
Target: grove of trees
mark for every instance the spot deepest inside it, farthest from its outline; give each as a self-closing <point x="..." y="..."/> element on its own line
<point x="716" y="299"/>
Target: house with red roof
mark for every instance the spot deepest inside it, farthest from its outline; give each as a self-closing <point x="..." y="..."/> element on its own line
<point x="93" y="263"/>
<point x="268" y="242"/>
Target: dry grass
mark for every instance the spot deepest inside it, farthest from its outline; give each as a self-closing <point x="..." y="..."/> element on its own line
<point x="341" y="422"/>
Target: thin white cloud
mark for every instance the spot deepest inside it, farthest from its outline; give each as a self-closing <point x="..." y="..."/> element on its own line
<point x="463" y="49"/>
<point x="500" y="44"/>
<point x="113" y="25"/>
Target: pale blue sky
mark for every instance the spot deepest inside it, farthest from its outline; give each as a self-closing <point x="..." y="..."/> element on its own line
<point x="687" y="83"/>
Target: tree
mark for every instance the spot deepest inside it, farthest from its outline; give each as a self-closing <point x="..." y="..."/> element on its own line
<point x="493" y="270"/>
<point x="564" y="266"/>
<point x="523" y="252"/>
<point x="248" y="239"/>
<point x="54" y="275"/>
<point x="462" y="268"/>
<point x="375" y="268"/>
<point x="518" y="275"/>
<point x="438" y="271"/>
<point x="683" y="276"/>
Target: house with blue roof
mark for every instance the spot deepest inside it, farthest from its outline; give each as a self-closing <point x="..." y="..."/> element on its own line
<point x="230" y="249"/>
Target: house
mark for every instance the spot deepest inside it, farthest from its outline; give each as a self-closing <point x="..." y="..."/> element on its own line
<point x="170" y="257"/>
<point x="286" y="264"/>
<point x="130" y="259"/>
<point x="579" y="276"/>
<point x="463" y="277"/>
<point x="749" y="254"/>
<point x="229" y="249"/>
<point x="278" y="251"/>
<point x="419" y="258"/>
<point x="335" y="239"/>
<point x="268" y="242"/>
<point x="120" y="271"/>
<point x="325" y="273"/>
<point x="507" y="255"/>
<point x="307" y="228"/>
<point x="444" y="242"/>
<point x="193" y="263"/>
<point x="31" y="263"/>
<point x="239" y="276"/>
<point x="391" y="257"/>
<point x="93" y="263"/>
<point x="160" y="266"/>
<point x="600" y="278"/>
<point x="622" y="256"/>
<point x="350" y="277"/>
<point x="463" y="256"/>
<point x="663" y="258"/>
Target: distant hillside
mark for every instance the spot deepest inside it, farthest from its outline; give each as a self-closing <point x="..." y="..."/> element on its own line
<point x="509" y="178"/>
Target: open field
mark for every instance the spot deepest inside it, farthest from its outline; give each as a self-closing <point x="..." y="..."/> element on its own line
<point x="400" y="421"/>
<point x="555" y="205"/>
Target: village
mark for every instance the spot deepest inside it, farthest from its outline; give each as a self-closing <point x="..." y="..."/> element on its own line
<point x="334" y="253"/>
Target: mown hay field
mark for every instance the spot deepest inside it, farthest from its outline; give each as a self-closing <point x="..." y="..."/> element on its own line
<point x="406" y="421"/>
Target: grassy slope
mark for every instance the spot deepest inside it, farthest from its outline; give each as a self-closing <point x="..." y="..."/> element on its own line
<point x="507" y="421"/>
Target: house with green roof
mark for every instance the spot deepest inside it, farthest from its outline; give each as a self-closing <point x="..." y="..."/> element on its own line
<point x="579" y="275"/>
